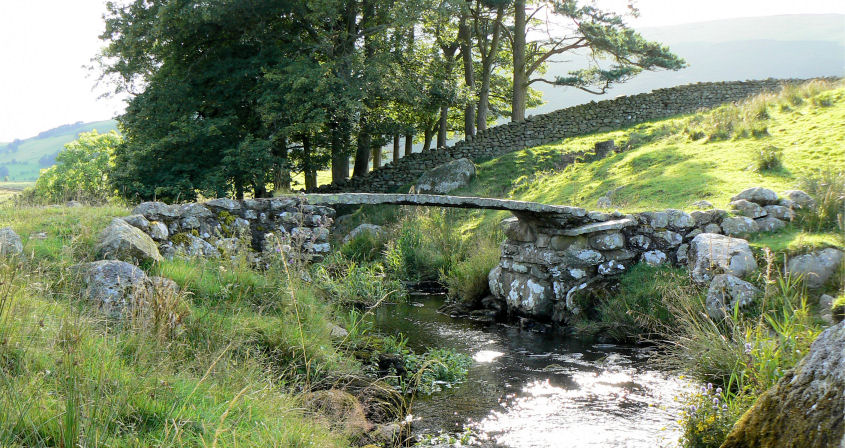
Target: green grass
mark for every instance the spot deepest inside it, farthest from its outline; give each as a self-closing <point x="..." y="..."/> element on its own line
<point x="232" y="374"/>
<point x="23" y="164"/>
<point x="8" y="190"/>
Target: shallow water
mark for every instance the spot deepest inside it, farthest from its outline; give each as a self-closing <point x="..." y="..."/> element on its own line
<point x="527" y="389"/>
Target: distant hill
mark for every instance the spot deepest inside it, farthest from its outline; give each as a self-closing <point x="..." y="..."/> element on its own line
<point x="22" y="160"/>
<point x="789" y="46"/>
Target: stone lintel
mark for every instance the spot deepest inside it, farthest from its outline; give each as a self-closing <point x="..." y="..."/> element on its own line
<point x="600" y="227"/>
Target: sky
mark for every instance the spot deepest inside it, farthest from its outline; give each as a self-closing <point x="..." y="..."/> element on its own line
<point x="45" y="45"/>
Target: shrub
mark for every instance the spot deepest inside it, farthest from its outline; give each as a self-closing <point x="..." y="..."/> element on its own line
<point x="348" y="282"/>
<point x="423" y="246"/>
<point x="827" y="187"/>
<point x="466" y="279"/>
<point x="768" y="159"/>
<point x="437" y="369"/>
<point x="81" y="171"/>
<point x="365" y="247"/>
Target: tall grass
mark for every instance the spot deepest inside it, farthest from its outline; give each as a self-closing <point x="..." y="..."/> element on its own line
<point x="827" y="187"/>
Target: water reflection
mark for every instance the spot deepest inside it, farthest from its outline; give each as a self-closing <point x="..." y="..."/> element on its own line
<point x="532" y="390"/>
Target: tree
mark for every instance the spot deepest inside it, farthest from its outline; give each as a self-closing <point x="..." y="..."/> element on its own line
<point x="81" y="171"/>
<point x="617" y="52"/>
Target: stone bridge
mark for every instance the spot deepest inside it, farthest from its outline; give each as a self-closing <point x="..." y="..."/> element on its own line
<point x="551" y="254"/>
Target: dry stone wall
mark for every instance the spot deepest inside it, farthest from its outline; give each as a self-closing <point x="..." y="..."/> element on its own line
<point x="224" y="226"/>
<point x="553" y="126"/>
<point x="546" y="268"/>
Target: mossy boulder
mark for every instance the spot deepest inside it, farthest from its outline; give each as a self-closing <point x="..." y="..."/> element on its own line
<point x="805" y="408"/>
<point x="124" y="242"/>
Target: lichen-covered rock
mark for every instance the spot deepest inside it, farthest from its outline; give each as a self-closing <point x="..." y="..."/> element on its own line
<point x="711" y="254"/>
<point x="607" y="241"/>
<point x="805" y="408"/>
<point x="611" y="267"/>
<point x="682" y="255"/>
<point x="447" y="177"/>
<point x="770" y="224"/>
<point x="112" y="284"/>
<point x="604" y="202"/>
<point x="799" y="199"/>
<point x="726" y="292"/>
<point x="680" y="219"/>
<point x="747" y="208"/>
<point x="654" y="258"/>
<point x="641" y="242"/>
<point x="10" y="242"/>
<point x="158" y="231"/>
<point x="156" y="211"/>
<point x="739" y="226"/>
<point x="127" y="243"/>
<point x="224" y="204"/>
<point x="522" y="293"/>
<point x="759" y="195"/>
<point x="703" y="217"/>
<point x="780" y="212"/>
<point x="815" y="268"/>
<point x="669" y="238"/>
<point x="138" y="221"/>
<point x="371" y="229"/>
<point x="195" y="246"/>
<point x="657" y="220"/>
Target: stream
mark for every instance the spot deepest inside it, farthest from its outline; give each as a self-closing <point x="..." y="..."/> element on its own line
<point x="527" y="389"/>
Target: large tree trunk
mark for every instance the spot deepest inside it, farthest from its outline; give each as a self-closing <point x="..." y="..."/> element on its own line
<point x="427" y="136"/>
<point x="443" y="127"/>
<point x="308" y="165"/>
<point x="520" y="83"/>
<point x="377" y="152"/>
<point x="340" y="158"/>
<point x="396" y="154"/>
<point x="465" y="36"/>
<point x="409" y="144"/>
<point x="487" y="62"/>
<point x="281" y="168"/>
<point x="362" y="154"/>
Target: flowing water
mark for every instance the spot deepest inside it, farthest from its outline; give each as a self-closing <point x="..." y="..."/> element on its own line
<point x="527" y="389"/>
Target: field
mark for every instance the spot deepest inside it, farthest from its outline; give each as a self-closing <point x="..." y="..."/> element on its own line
<point x="23" y="164"/>
<point x="10" y="189"/>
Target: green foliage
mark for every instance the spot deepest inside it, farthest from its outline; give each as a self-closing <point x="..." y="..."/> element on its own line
<point x="708" y="416"/>
<point x="437" y="369"/>
<point x="827" y="188"/>
<point x="422" y="247"/>
<point x="745" y="354"/>
<point x="749" y="118"/>
<point x="365" y="247"/>
<point x="631" y="313"/>
<point x="769" y="158"/>
<point x="347" y="282"/>
<point x="466" y="279"/>
<point x="81" y="171"/>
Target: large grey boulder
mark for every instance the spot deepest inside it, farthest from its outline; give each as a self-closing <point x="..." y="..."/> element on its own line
<point x="815" y="268"/>
<point x="522" y="293"/>
<point x="726" y="292"/>
<point x="759" y="195"/>
<point x="712" y="254"/>
<point x="799" y="199"/>
<point x="156" y="211"/>
<point x="127" y="243"/>
<point x="112" y="285"/>
<point x="10" y="242"/>
<point x="198" y="247"/>
<point x="748" y="208"/>
<point x="780" y="212"/>
<point x="372" y="229"/>
<point x="805" y="408"/>
<point x="770" y="224"/>
<point x="739" y="226"/>
<point x="447" y="177"/>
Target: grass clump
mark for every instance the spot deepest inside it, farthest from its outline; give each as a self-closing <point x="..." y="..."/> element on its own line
<point x="348" y="282"/>
<point x="769" y="159"/>
<point x="827" y="188"/>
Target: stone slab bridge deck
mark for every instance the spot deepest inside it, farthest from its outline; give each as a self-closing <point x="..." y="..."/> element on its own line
<point x="530" y="211"/>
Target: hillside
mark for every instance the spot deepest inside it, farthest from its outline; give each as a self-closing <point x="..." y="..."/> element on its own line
<point x="666" y="168"/>
<point x="23" y="159"/>
<point x="789" y="46"/>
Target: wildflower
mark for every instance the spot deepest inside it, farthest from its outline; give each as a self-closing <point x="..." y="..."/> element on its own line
<point x="748" y="348"/>
<point x="718" y="390"/>
<point x="725" y="407"/>
<point x="716" y="400"/>
<point x="709" y="386"/>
